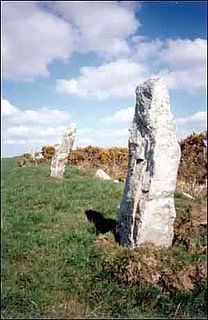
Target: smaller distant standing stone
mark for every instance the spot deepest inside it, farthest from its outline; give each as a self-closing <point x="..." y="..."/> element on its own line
<point x="62" y="151"/>
<point x="33" y="153"/>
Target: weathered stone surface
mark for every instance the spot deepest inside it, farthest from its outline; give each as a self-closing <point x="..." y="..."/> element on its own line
<point x="33" y="153"/>
<point x="101" y="174"/>
<point x="147" y="211"/>
<point x="62" y="150"/>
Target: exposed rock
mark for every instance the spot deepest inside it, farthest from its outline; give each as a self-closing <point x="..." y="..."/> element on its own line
<point x="62" y="151"/>
<point x="147" y="211"/>
<point x="187" y="195"/>
<point x="101" y="174"/>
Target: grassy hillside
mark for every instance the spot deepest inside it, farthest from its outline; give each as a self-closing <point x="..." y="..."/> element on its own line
<point x="53" y="263"/>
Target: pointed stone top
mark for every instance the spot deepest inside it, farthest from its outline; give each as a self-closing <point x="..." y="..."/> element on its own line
<point x="150" y="83"/>
<point x="153" y="94"/>
<point x="72" y="126"/>
<point x="154" y="81"/>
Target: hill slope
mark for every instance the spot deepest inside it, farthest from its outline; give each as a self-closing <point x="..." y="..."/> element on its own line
<point x="51" y="265"/>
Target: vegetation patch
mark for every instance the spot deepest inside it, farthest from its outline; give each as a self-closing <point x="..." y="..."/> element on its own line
<point x="192" y="172"/>
<point x="171" y="270"/>
<point x="177" y="271"/>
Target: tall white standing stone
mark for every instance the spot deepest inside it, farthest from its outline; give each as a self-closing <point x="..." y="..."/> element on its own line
<point x="147" y="211"/>
<point x="62" y="151"/>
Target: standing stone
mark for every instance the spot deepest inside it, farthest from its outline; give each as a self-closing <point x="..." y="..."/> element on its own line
<point x="60" y="158"/>
<point x="33" y="153"/>
<point x="147" y="211"/>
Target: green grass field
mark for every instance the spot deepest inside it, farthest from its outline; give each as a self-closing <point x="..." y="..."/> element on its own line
<point x="51" y="267"/>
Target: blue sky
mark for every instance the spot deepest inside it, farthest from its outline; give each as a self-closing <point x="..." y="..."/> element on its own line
<point x="80" y="62"/>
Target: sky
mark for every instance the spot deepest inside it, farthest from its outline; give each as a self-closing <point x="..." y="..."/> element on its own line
<point x="80" y="62"/>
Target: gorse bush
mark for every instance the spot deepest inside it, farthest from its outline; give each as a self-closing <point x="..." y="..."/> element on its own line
<point x="192" y="169"/>
<point x="193" y="162"/>
<point x="26" y="160"/>
<point x="113" y="160"/>
<point x="48" y="152"/>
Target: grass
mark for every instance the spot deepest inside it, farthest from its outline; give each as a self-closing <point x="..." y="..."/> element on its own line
<point x="52" y="267"/>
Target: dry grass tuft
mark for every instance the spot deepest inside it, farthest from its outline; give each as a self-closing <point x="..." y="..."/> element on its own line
<point x="190" y="228"/>
<point x="181" y="268"/>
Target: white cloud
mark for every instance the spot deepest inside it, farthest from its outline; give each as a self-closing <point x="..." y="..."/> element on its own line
<point x="32" y="39"/>
<point x="42" y="116"/>
<point x="32" y="128"/>
<point x="189" y="80"/>
<point x="102" y="27"/>
<point x="103" y="137"/>
<point x="194" y="123"/>
<point x="178" y="54"/>
<point x="83" y="142"/>
<point x="146" y="50"/>
<point x="36" y="131"/>
<point x="113" y="133"/>
<point x="199" y="118"/>
<point x="20" y="136"/>
<point x="114" y="79"/>
<point x="186" y="63"/>
<point x="37" y="33"/>
<point x="34" y="34"/>
<point x="183" y="53"/>
<point x="112" y="136"/>
<point x="122" y="115"/>
<point x="7" y="109"/>
<point x="23" y="142"/>
<point x="21" y="132"/>
<point x="181" y="62"/>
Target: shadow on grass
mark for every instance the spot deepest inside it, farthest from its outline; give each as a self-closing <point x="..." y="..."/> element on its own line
<point x="102" y="224"/>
